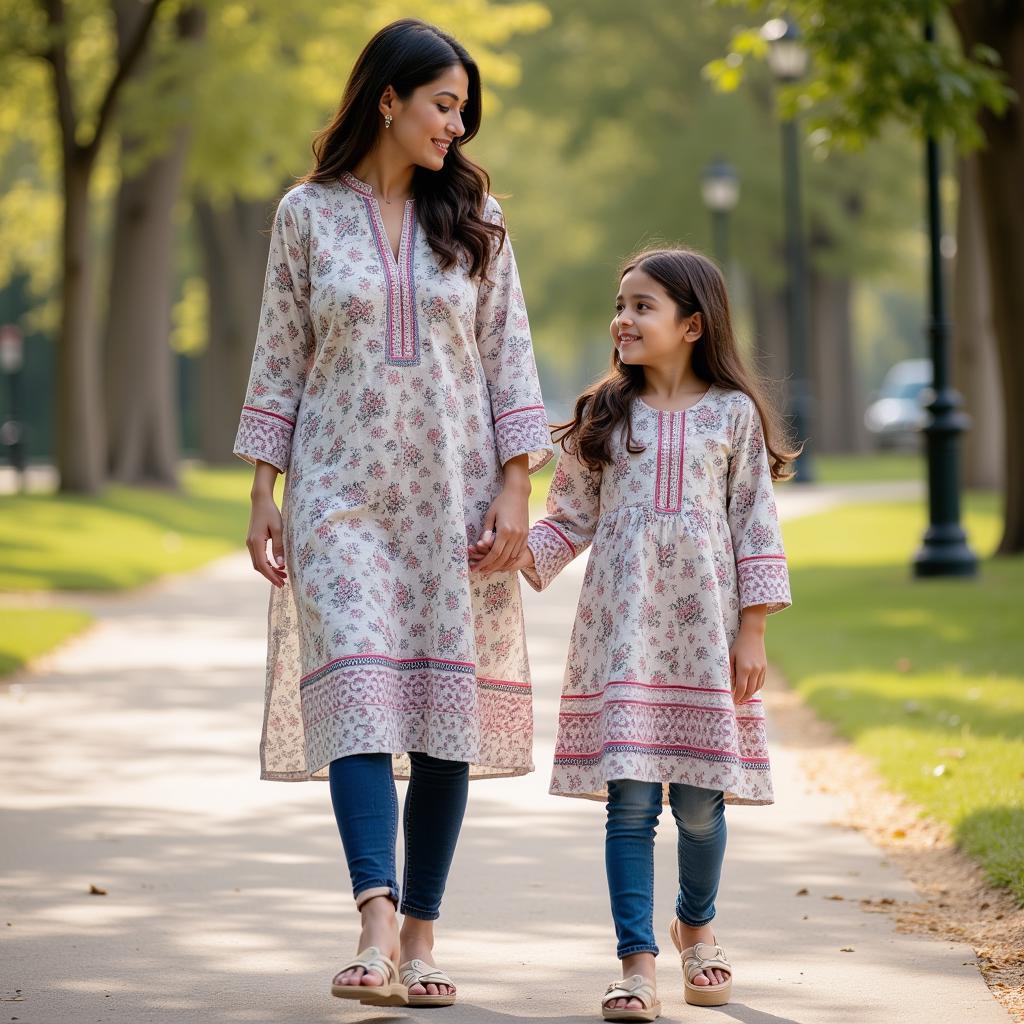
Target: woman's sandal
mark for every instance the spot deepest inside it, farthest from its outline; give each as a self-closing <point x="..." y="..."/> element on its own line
<point x="419" y="972"/>
<point x="634" y="987"/>
<point x="391" y="993"/>
<point x="702" y="956"/>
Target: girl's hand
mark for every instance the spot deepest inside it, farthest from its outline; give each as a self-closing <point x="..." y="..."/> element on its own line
<point x="747" y="657"/>
<point x="265" y="524"/>
<point x="507" y="521"/>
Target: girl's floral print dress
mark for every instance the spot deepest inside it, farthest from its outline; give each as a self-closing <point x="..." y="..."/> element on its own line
<point x="685" y="535"/>
<point x="391" y="393"/>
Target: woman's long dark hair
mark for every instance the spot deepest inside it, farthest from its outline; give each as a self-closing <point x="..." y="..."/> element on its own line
<point x="695" y="284"/>
<point x="450" y="202"/>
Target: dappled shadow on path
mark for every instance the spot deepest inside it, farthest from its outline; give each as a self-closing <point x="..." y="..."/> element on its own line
<point x="131" y="765"/>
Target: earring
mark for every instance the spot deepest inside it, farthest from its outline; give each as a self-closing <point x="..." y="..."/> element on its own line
<point x="387" y="120"/>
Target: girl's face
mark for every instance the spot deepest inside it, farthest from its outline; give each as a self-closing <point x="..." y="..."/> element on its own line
<point x="425" y="124"/>
<point x="647" y="329"/>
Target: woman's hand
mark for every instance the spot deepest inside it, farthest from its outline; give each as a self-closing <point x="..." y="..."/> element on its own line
<point x="265" y="524"/>
<point x="478" y="550"/>
<point x="747" y="657"/>
<point x="507" y="522"/>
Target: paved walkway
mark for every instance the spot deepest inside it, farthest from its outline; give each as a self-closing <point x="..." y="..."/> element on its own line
<point x="129" y="762"/>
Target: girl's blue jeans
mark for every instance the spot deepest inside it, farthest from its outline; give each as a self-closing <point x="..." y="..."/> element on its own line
<point x="633" y="811"/>
<point x="366" y="808"/>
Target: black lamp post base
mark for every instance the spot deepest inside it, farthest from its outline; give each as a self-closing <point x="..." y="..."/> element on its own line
<point x="944" y="552"/>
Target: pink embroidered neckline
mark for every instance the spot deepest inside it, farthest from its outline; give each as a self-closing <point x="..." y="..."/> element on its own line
<point x="403" y="342"/>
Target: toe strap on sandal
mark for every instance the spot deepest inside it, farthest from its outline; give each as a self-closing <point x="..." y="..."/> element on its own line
<point x="372" y="959"/>
<point x="702" y="957"/>
<point x="419" y="972"/>
<point x="634" y="987"/>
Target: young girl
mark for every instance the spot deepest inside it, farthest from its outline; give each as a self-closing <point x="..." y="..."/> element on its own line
<point x="667" y="469"/>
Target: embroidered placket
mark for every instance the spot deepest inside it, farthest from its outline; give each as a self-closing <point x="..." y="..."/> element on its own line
<point x="668" y="477"/>
<point x="402" y="346"/>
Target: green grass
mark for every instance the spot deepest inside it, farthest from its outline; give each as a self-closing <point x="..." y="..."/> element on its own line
<point x="27" y="633"/>
<point x="924" y="677"/>
<point x="125" y="538"/>
<point x="887" y="466"/>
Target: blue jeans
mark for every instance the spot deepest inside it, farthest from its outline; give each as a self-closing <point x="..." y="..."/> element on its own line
<point x="633" y="811"/>
<point x="366" y="808"/>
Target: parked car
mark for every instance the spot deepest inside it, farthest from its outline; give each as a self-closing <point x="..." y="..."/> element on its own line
<point x="895" y="418"/>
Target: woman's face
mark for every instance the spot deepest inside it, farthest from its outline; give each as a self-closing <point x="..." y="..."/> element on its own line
<point x="425" y="123"/>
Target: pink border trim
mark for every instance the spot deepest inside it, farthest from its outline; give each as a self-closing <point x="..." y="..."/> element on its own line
<point x="512" y="412"/>
<point x="659" y="746"/>
<point x="647" y="686"/>
<point x="387" y="658"/>
<point x="760" y="558"/>
<point x="267" y="412"/>
<point x="658" y="704"/>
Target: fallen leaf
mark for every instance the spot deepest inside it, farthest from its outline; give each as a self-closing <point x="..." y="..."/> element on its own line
<point x="846" y="949"/>
<point x="95" y="890"/>
<point x="801" y="892"/>
<point x="899" y="833"/>
<point x="985" y="905"/>
<point x="835" y="897"/>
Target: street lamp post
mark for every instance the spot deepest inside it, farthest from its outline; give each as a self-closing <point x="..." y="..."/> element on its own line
<point x="787" y="59"/>
<point x="720" y="190"/>
<point x="944" y="550"/>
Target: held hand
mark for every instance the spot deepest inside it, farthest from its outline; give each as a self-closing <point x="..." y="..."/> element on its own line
<point x="747" y="657"/>
<point x="505" y="527"/>
<point x="477" y="551"/>
<point x="265" y="524"/>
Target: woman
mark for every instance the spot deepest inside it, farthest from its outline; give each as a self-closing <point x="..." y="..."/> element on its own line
<point x="394" y="381"/>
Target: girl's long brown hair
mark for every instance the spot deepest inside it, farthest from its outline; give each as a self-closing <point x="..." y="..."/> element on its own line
<point x="695" y="284"/>
<point x="450" y="202"/>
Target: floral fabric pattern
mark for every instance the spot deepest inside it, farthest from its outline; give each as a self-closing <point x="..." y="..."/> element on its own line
<point x="391" y="392"/>
<point x="685" y="536"/>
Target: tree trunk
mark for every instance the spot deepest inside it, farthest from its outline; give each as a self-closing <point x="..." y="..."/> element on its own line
<point x="141" y="409"/>
<point x="142" y="417"/>
<point x="975" y="356"/>
<point x="1000" y="173"/>
<point x="839" y="402"/>
<point x="80" y="430"/>
<point x="235" y="242"/>
<point x="80" y="441"/>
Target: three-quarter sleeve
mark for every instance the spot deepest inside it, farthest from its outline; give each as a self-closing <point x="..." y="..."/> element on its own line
<point x="573" y="507"/>
<point x="753" y="518"/>
<point x="284" y="344"/>
<point x="506" y="352"/>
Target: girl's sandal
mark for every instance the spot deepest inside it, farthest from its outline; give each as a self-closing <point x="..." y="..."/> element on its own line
<point x="634" y="987"/>
<point x="418" y="972"/>
<point x="391" y="993"/>
<point x="699" y="957"/>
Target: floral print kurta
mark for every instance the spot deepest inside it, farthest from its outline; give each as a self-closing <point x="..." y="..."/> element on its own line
<point x="391" y="393"/>
<point x="685" y="535"/>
